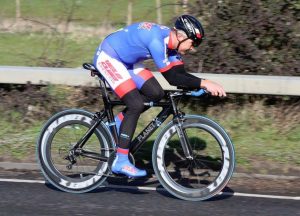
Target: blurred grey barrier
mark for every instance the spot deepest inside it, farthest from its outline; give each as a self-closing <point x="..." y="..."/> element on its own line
<point x="244" y="84"/>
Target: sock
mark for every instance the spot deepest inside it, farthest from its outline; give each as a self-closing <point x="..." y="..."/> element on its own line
<point x="122" y="154"/>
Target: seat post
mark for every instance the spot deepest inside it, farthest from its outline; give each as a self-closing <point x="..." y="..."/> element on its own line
<point x="106" y="99"/>
<point x="104" y="92"/>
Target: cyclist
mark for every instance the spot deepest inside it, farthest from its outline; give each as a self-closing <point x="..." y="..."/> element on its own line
<point x="119" y="59"/>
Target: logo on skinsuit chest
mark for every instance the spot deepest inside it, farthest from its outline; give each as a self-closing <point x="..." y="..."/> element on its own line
<point x="146" y="25"/>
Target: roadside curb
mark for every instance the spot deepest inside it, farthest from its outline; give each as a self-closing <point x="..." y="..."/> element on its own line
<point x="265" y="176"/>
<point x="19" y="166"/>
<point x="35" y="167"/>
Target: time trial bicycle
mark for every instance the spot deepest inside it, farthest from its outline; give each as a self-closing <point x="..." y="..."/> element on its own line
<point x="193" y="157"/>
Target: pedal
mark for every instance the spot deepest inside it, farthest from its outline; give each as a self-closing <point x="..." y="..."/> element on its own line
<point x="118" y="176"/>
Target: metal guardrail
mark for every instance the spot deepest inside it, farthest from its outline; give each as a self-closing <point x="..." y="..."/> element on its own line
<point x="246" y="84"/>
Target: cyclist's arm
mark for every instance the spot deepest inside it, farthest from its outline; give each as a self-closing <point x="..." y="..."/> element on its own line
<point x="171" y="67"/>
<point x="177" y="76"/>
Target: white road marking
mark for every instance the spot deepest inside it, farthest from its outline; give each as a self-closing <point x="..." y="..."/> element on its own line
<point x="262" y="196"/>
<point x="161" y="189"/>
<point x="22" y="181"/>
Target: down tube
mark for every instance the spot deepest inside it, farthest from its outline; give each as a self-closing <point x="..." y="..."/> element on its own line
<point x="149" y="130"/>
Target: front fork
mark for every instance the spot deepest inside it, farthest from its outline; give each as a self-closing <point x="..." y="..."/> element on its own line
<point x="178" y="119"/>
<point x="184" y="141"/>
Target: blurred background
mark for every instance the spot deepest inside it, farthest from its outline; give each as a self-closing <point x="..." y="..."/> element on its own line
<point x="251" y="37"/>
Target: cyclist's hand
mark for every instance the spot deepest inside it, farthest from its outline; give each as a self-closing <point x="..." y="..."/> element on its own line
<point x="214" y="88"/>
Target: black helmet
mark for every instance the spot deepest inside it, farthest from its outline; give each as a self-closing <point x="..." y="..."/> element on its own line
<point x="192" y="27"/>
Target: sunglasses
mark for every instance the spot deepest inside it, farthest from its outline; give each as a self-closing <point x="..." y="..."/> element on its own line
<point x="197" y="42"/>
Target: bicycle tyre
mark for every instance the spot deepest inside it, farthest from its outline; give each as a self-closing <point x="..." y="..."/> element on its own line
<point x="89" y="174"/>
<point x="171" y="166"/>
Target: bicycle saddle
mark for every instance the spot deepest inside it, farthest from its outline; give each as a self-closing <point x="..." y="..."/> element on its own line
<point x="89" y="66"/>
<point x="92" y="68"/>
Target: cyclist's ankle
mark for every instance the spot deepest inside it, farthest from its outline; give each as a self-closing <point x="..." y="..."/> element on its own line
<point x="122" y="151"/>
<point x="122" y="154"/>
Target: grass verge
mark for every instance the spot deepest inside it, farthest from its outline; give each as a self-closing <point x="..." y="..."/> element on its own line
<point x="39" y="49"/>
<point x="89" y="12"/>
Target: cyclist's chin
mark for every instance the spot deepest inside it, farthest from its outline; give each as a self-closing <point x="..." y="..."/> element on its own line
<point x="182" y="52"/>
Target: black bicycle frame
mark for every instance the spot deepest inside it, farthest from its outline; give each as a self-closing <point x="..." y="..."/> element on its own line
<point x="142" y="137"/>
<point x="167" y="110"/>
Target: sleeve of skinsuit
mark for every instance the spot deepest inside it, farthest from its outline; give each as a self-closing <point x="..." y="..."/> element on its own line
<point x="177" y="76"/>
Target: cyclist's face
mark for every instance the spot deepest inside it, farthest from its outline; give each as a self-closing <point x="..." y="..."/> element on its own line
<point x="186" y="45"/>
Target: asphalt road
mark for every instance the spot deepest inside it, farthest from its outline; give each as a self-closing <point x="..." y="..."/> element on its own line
<point x="36" y="198"/>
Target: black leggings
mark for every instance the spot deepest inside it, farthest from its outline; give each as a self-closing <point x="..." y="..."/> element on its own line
<point x="134" y="100"/>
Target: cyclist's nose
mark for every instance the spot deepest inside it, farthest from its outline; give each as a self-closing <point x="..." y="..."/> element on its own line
<point x="192" y="49"/>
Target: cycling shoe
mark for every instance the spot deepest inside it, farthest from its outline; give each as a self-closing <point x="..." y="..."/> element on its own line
<point x="123" y="166"/>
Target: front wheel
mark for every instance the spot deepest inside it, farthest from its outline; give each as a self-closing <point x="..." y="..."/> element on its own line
<point x="204" y="174"/>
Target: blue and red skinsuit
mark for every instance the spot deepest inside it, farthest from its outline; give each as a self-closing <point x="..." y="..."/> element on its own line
<point x="135" y="43"/>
